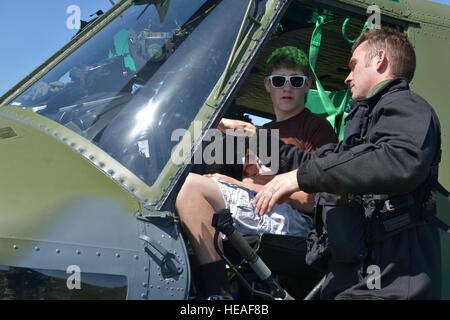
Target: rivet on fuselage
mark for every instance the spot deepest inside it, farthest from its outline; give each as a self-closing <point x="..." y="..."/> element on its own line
<point x="15" y="247"/>
<point x="36" y="248"/>
<point x="98" y="254"/>
<point x="58" y="251"/>
<point x="78" y="251"/>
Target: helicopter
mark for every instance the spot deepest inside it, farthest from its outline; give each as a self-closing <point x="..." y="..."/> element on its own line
<point x="88" y="182"/>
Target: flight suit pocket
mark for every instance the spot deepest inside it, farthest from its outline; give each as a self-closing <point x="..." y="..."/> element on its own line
<point x="346" y="232"/>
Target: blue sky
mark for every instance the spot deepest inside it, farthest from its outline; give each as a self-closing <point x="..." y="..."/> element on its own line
<point x="31" y="31"/>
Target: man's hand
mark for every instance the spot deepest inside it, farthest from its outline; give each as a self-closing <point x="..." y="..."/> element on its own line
<point x="275" y="191"/>
<point x="236" y="127"/>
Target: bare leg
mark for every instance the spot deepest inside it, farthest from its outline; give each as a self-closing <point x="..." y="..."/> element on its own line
<point x="197" y="201"/>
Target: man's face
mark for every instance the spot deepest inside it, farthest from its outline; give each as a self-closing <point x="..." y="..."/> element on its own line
<point x="362" y="75"/>
<point x="287" y="100"/>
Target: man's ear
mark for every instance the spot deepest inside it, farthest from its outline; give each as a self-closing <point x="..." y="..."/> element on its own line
<point x="267" y="84"/>
<point x="381" y="60"/>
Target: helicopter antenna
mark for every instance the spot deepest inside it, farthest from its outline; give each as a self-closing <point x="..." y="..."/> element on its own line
<point x="145" y="9"/>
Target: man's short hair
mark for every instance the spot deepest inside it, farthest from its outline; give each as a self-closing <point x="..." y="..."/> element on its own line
<point x="398" y="49"/>
<point x="289" y="57"/>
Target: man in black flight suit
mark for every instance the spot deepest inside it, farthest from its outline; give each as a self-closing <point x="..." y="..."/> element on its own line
<point x="374" y="235"/>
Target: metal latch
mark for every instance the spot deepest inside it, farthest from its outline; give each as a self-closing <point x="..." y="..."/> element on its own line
<point x="169" y="261"/>
<point x="146" y="213"/>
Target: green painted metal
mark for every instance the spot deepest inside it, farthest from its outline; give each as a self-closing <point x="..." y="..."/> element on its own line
<point x="85" y="149"/>
<point x="39" y="172"/>
<point x="431" y="41"/>
<point x="40" y="176"/>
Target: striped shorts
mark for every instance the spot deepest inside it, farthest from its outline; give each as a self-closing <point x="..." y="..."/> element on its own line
<point x="283" y="219"/>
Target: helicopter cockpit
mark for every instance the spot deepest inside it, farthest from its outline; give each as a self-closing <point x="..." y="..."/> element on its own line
<point x="144" y="75"/>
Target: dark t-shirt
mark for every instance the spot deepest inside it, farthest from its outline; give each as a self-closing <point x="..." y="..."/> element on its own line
<point x="305" y="130"/>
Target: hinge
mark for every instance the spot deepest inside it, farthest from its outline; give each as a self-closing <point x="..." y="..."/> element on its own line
<point x="146" y="214"/>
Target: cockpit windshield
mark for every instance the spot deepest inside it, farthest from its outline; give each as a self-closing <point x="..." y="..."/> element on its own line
<point x="144" y="75"/>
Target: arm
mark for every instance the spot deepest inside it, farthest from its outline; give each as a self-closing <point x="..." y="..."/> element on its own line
<point x="289" y="156"/>
<point x="236" y="127"/>
<point x="396" y="159"/>
<point x="300" y="200"/>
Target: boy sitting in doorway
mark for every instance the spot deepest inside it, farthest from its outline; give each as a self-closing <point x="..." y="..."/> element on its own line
<point x="201" y="196"/>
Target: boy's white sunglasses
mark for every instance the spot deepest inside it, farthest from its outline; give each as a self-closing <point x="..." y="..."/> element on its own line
<point x="296" y="80"/>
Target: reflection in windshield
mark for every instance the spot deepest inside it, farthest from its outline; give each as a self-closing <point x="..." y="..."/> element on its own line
<point x="144" y="75"/>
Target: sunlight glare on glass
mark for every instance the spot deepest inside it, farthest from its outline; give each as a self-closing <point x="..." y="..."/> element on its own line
<point x="144" y="118"/>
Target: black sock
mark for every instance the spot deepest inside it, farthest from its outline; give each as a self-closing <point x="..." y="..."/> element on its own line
<point x="213" y="279"/>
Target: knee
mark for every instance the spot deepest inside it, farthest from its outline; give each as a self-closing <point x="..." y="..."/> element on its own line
<point x="193" y="181"/>
<point x="189" y="186"/>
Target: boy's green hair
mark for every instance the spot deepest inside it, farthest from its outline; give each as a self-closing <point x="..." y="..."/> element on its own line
<point x="289" y="57"/>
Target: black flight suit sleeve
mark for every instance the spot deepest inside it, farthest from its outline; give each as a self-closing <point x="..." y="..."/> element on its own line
<point x="396" y="158"/>
<point x="289" y="156"/>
